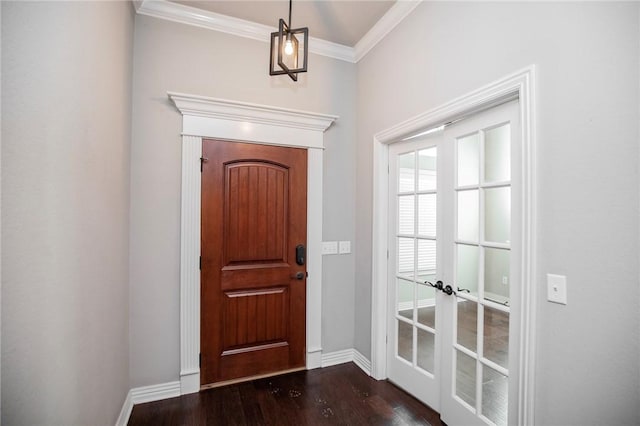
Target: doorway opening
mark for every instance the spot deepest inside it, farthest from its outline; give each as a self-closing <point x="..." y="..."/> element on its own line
<point x="204" y="117"/>
<point x="468" y="313"/>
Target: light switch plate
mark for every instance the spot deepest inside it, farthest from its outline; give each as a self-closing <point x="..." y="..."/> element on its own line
<point x="329" y="247"/>
<point x="557" y="288"/>
<point x="344" y="247"/>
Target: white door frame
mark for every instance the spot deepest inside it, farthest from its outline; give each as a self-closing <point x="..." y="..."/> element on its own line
<point x="204" y="117"/>
<point x="519" y="85"/>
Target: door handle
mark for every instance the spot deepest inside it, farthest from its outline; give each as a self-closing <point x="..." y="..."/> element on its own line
<point x="447" y="289"/>
<point x="298" y="276"/>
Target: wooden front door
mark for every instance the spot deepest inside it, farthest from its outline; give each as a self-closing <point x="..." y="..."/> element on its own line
<point x="253" y="273"/>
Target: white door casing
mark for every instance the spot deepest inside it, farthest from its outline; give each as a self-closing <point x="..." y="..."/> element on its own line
<point x="516" y="86"/>
<point x="204" y="117"/>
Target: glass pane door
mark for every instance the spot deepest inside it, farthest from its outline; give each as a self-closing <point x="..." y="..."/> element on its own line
<point x="412" y="319"/>
<point x="452" y="204"/>
<point x="477" y="352"/>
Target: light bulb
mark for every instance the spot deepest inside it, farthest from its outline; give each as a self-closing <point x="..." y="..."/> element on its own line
<point x="288" y="47"/>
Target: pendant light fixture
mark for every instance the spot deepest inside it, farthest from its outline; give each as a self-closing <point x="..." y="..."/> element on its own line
<point x="289" y="49"/>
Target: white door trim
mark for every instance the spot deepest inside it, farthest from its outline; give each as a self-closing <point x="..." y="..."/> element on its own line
<point x="204" y="117"/>
<point x="519" y="85"/>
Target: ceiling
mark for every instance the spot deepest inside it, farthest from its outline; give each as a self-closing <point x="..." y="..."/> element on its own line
<point x="343" y="22"/>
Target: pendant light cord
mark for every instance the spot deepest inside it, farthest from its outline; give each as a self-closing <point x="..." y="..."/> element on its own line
<point x="290" y="1"/>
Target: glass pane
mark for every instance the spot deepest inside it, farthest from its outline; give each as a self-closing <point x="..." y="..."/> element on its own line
<point x="466" y="378"/>
<point x="496" y="275"/>
<point x="497" y="215"/>
<point x="405" y="298"/>
<point x="468" y="160"/>
<point x="405" y="257"/>
<point x="427" y="159"/>
<point x="427" y="304"/>
<point x="406" y="214"/>
<point x="496" y="336"/>
<point x="494" y="395"/>
<point x="406" y="172"/>
<point x="426" y="259"/>
<point x="405" y="341"/>
<point x="468" y="215"/>
<point x="467" y="268"/>
<point x="467" y="323"/>
<point x="427" y="214"/>
<point x="426" y="345"/>
<point x="497" y="154"/>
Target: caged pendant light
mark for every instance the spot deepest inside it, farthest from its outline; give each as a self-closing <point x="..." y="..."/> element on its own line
<point x="289" y="49"/>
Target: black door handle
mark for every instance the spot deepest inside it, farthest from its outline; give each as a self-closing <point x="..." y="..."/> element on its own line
<point x="439" y="285"/>
<point x="298" y="276"/>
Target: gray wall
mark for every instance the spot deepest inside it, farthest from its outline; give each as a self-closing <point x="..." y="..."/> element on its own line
<point x="587" y="143"/>
<point x="175" y="57"/>
<point x="66" y="83"/>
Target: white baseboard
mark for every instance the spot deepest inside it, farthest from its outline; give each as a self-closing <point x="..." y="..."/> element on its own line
<point x="125" y="413"/>
<point x="338" y="357"/>
<point x="347" y="355"/>
<point x="362" y="362"/>
<point x="146" y="394"/>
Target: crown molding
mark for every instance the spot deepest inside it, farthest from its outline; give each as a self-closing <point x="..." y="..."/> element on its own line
<point x="396" y="13"/>
<point x="239" y="27"/>
<point x="188" y="15"/>
<point x="201" y="106"/>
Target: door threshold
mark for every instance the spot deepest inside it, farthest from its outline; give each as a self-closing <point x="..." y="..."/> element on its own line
<point x="249" y="378"/>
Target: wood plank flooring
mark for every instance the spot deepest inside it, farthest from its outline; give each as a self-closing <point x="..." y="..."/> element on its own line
<point x="338" y="395"/>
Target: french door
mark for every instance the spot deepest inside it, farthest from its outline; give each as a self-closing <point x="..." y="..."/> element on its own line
<point x="452" y="315"/>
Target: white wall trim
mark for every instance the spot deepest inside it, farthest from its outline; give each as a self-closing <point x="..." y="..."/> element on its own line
<point x="183" y="14"/>
<point x="518" y="85"/>
<point x="237" y="121"/>
<point x="362" y="362"/>
<point x="338" y="357"/>
<point x="125" y="412"/>
<point x="391" y="19"/>
<point x="146" y="394"/>
<point x="239" y="27"/>
<point x="155" y="392"/>
<point x="347" y="355"/>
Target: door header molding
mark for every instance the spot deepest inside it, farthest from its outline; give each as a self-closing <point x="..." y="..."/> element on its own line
<point x="234" y="120"/>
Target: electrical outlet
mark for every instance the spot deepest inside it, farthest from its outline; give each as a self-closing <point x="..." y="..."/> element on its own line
<point x="505" y="280"/>
<point x="344" y="247"/>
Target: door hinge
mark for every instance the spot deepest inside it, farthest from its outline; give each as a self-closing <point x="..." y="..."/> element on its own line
<point x="200" y="263"/>
<point x="387" y="254"/>
<point x="202" y="161"/>
<point x="200" y="360"/>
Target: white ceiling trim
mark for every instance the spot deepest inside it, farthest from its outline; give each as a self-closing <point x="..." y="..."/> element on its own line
<point x="239" y="27"/>
<point x="396" y="13"/>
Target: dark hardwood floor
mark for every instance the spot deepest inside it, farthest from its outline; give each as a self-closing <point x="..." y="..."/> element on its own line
<point x="338" y="395"/>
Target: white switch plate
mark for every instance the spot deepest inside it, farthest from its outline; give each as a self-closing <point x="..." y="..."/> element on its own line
<point x="345" y="247"/>
<point x="557" y="288"/>
<point x="329" y="247"/>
